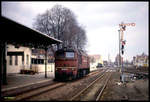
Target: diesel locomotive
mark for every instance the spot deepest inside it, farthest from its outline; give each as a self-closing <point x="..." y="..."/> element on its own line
<point x="71" y="64"/>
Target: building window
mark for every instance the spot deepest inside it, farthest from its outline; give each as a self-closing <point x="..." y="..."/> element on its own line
<point x="10" y="60"/>
<point x="32" y="61"/>
<point x="27" y="59"/>
<point x="23" y="60"/>
<point x="37" y="61"/>
<point x="16" y="60"/>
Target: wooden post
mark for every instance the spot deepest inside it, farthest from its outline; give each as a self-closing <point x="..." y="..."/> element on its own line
<point x="3" y="62"/>
<point x="46" y="62"/>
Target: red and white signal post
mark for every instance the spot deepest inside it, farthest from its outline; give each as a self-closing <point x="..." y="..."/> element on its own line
<point x="122" y="43"/>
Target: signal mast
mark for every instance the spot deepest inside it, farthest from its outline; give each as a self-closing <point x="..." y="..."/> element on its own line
<point x="122" y="27"/>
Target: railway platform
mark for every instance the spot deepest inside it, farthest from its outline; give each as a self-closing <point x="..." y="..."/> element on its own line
<point x="18" y="83"/>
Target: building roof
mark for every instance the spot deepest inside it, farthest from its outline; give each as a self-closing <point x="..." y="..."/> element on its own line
<point x="15" y="33"/>
<point x="95" y="56"/>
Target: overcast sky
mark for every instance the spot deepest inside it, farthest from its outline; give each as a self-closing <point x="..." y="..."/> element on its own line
<point x="101" y="21"/>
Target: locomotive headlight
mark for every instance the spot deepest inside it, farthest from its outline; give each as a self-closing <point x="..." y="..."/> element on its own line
<point x="56" y="68"/>
<point x="64" y="69"/>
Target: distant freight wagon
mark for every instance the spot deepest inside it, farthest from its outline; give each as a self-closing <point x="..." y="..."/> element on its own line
<point x="71" y="64"/>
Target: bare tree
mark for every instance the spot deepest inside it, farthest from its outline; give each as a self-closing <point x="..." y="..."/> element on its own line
<point x="60" y="22"/>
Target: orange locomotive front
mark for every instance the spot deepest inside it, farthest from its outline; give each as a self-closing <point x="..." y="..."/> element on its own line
<point x="71" y="64"/>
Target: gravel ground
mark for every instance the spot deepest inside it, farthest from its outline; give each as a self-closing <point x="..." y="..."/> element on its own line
<point x="133" y="90"/>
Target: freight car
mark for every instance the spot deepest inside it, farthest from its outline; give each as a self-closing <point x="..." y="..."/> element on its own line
<point x="71" y="64"/>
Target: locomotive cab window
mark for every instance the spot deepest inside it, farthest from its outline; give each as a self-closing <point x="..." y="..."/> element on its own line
<point x="69" y="54"/>
<point x="60" y="55"/>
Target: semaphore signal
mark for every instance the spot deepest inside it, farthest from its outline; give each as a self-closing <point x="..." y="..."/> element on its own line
<point x="122" y="27"/>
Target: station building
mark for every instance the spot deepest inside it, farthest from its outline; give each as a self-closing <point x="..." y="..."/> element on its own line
<point x="141" y="60"/>
<point x="94" y="61"/>
<point x="38" y="61"/>
<point x="19" y="57"/>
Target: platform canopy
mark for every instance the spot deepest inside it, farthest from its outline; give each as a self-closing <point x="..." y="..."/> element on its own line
<point x="20" y="35"/>
<point x="15" y="33"/>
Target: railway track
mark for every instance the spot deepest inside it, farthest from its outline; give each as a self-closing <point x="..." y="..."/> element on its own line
<point x="44" y="89"/>
<point x="95" y="72"/>
<point x="93" y="91"/>
<point x="38" y="91"/>
<point x="135" y="72"/>
<point x="78" y="80"/>
<point x="102" y="90"/>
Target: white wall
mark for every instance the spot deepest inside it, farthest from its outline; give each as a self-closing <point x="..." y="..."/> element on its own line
<point x="93" y="66"/>
<point x="16" y="68"/>
<point x="41" y="68"/>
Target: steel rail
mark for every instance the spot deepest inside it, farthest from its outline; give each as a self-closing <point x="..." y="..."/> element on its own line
<point x="94" y="72"/>
<point x="32" y="93"/>
<point x="78" y="94"/>
<point x="101" y="92"/>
